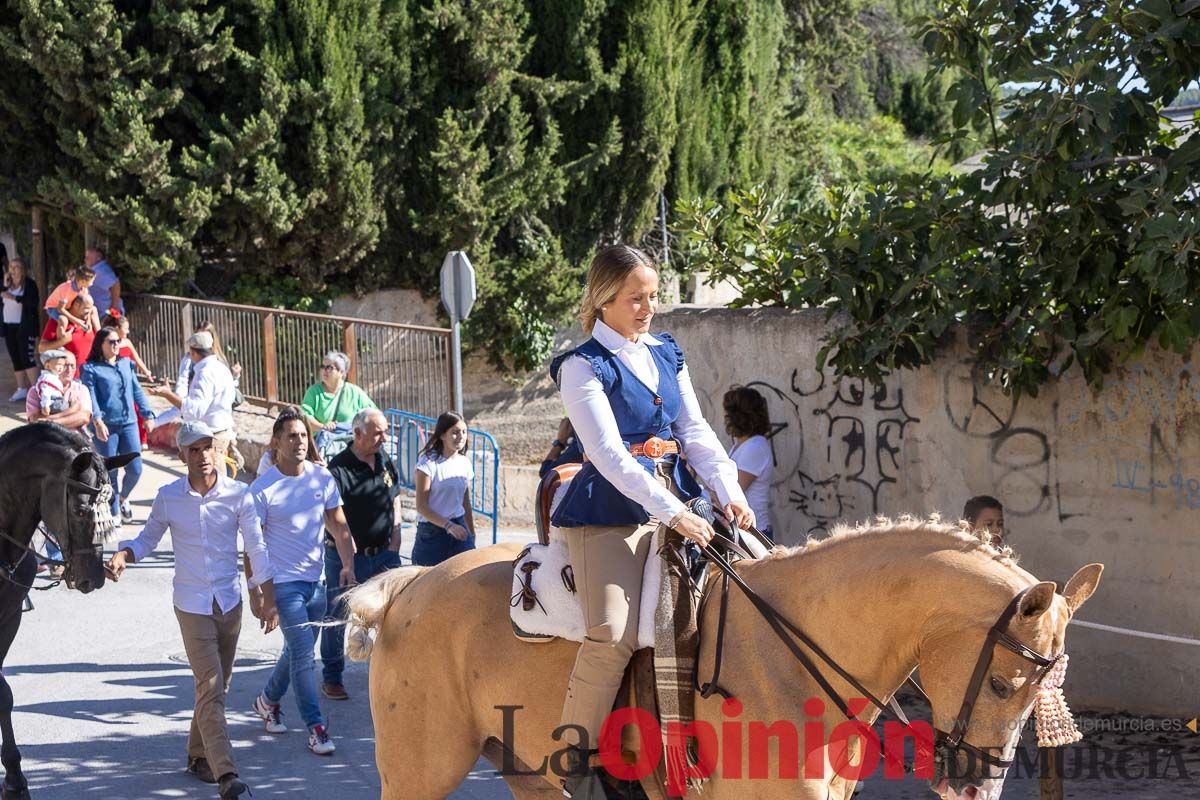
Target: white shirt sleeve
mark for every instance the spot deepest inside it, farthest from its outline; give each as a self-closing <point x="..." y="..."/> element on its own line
<point x="704" y="451"/>
<point x="591" y="416"/>
<point x="199" y="397"/>
<point x="181" y="380"/>
<point x="754" y="456"/>
<point x="152" y="533"/>
<point x="252" y="542"/>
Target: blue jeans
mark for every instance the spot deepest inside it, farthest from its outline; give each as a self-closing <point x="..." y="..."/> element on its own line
<point x="299" y="602"/>
<point x="333" y="640"/>
<point x="434" y="545"/>
<point x="122" y="439"/>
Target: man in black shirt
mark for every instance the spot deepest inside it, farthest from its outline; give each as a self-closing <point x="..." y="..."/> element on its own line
<point x="370" y="488"/>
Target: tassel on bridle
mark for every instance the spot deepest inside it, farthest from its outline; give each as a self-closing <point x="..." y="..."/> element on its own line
<point x="1053" y="721"/>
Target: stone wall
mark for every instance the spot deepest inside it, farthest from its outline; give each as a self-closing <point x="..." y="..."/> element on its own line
<point x="1110" y="476"/>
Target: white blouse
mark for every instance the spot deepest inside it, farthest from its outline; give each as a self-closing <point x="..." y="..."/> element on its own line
<point x="592" y="417"/>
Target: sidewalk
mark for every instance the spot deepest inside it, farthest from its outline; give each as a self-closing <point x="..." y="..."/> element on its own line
<point x="104" y="695"/>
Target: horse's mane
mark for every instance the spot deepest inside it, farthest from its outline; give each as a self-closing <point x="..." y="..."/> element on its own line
<point x="960" y="536"/>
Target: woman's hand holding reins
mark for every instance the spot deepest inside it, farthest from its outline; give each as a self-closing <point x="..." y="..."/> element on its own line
<point x="691" y="526"/>
<point x="740" y="514"/>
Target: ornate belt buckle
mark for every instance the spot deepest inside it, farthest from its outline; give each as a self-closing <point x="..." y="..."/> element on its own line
<point x="654" y="447"/>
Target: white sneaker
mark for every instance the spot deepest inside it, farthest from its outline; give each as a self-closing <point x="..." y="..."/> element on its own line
<point x="271" y="714"/>
<point x="126" y="511"/>
<point x="319" y="741"/>
<point x="18" y="395"/>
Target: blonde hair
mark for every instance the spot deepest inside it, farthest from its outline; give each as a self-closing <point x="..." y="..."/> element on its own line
<point x="607" y="274"/>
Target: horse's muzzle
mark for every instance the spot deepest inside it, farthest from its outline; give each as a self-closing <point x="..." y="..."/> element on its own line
<point x="85" y="573"/>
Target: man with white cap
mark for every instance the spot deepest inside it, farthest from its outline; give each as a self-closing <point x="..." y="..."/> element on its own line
<point x="210" y="395"/>
<point x="204" y="512"/>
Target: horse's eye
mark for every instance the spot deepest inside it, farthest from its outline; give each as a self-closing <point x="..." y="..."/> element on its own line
<point x="1001" y="688"/>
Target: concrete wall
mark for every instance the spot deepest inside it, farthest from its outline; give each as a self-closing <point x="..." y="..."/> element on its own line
<point x="1112" y="476"/>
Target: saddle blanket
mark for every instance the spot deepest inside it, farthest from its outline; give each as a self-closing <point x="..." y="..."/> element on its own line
<point x="545" y="605"/>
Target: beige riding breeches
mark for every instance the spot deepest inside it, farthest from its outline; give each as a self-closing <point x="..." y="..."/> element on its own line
<point x="608" y="563"/>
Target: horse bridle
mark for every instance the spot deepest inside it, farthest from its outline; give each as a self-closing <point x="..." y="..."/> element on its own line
<point x="7" y="571"/>
<point x="948" y="745"/>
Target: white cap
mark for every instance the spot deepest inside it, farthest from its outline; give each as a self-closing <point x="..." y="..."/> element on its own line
<point x="192" y="431"/>
<point x="200" y="341"/>
<point x="50" y="355"/>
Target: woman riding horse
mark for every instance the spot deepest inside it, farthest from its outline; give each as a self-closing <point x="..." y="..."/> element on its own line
<point x="630" y="399"/>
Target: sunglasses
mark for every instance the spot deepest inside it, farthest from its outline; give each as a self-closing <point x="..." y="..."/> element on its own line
<point x="328" y="366"/>
<point x="112" y="341"/>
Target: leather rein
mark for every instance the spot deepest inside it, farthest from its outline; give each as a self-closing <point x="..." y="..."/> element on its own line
<point x="793" y="637"/>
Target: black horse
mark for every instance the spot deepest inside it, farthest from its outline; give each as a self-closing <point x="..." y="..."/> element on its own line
<point x="48" y="475"/>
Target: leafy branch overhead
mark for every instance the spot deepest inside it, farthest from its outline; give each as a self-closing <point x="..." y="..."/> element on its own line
<point x="1073" y="239"/>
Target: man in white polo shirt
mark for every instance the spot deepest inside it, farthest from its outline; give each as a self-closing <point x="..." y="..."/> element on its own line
<point x="296" y="501"/>
<point x="204" y="512"/>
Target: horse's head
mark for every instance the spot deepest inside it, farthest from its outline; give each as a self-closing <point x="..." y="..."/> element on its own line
<point x="982" y="682"/>
<point x="76" y="506"/>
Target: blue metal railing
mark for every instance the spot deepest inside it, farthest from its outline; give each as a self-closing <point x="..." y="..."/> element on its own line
<point x="407" y="435"/>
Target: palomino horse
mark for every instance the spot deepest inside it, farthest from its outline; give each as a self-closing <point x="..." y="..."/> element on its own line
<point x="450" y="681"/>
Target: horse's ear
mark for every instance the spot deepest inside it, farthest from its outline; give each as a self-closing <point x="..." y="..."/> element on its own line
<point x="1036" y="601"/>
<point x="116" y="462"/>
<point x="1081" y="585"/>
<point x="81" y="462"/>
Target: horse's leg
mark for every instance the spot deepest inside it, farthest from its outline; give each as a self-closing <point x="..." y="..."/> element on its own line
<point x="15" y="786"/>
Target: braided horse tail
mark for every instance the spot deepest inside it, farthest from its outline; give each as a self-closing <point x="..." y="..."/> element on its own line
<point x="368" y="605"/>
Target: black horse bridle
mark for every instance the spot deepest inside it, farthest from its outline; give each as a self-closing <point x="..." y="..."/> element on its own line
<point x="7" y="571"/>
<point x="947" y="745"/>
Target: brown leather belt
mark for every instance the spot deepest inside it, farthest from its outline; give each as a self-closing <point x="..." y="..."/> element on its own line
<point x="653" y="447"/>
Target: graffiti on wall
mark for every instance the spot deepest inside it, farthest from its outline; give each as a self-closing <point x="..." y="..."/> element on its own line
<point x="1020" y="455"/>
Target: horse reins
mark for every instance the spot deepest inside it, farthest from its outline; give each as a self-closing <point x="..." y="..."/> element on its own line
<point x="790" y="634"/>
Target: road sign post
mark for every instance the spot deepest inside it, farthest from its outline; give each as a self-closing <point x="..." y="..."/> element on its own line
<point x="458" y="295"/>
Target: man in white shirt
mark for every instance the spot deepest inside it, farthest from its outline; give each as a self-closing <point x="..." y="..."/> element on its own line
<point x="210" y="395"/>
<point x="296" y="501"/>
<point x="204" y="512"/>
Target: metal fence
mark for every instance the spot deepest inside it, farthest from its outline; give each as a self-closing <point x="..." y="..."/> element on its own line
<point x="399" y="366"/>
<point x="407" y="435"/>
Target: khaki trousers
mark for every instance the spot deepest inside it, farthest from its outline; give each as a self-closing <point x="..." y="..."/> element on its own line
<point x="608" y="563"/>
<point x="210" y="641"/>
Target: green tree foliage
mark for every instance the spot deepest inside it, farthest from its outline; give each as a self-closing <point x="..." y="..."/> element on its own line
<point x="1075" y="240"/>
<point x="350" y="144"/>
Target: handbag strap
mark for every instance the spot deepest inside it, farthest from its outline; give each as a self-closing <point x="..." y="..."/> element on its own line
<point x="338" y="403"/>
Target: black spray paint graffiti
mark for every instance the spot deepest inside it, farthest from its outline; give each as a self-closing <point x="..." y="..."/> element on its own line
<point x="821" y="501"/>
<point x="863" y="433"/>
<point x="1020" y="455"/>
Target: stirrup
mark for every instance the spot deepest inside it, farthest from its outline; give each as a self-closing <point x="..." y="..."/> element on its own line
<point x="582" y="781"/>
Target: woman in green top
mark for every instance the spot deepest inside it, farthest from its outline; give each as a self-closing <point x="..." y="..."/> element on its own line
<point x="333" y="400"/>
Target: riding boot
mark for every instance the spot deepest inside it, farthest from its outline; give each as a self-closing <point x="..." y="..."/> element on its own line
<point x="582" y="781"/>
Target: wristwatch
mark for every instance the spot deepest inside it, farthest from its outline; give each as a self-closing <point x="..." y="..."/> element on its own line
<point x="558" y="444"/>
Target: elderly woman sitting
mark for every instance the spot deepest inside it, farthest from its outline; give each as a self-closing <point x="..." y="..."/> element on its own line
<point x="329" y="405"/>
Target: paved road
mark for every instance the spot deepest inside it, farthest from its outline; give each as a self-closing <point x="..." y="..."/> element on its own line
<point x="104" y="697"/>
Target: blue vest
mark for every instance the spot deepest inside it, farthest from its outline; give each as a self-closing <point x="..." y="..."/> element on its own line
<point x="640" y="413"/>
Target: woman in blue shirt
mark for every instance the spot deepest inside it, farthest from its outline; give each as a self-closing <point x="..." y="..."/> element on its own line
<point x="116" y="398"/>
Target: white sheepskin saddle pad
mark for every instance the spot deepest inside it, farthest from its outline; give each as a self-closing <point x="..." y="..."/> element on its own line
<point x="545" y="606"/>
